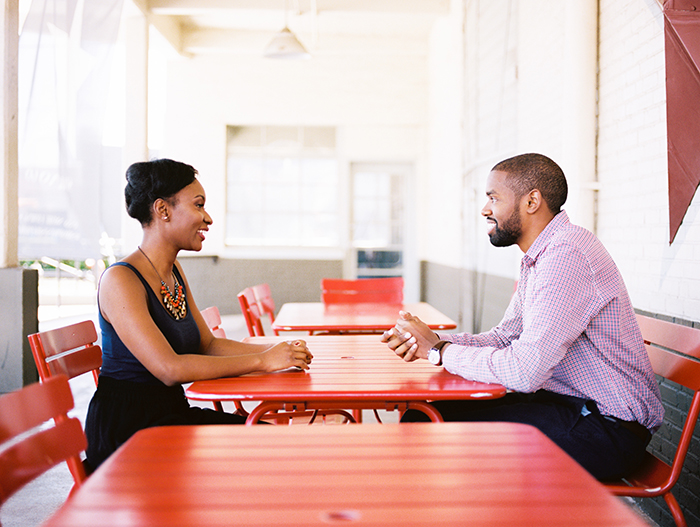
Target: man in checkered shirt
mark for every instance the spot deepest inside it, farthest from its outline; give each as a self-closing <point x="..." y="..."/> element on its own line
<point x="568" y="348"/>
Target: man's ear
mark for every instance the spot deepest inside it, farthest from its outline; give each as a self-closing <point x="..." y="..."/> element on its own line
<point x="533" y="201"/>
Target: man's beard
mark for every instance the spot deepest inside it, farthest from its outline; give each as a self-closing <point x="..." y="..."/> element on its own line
<point x="508" y="234"/>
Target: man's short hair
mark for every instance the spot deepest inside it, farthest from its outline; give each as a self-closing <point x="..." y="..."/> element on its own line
<point x="528" y="172"/>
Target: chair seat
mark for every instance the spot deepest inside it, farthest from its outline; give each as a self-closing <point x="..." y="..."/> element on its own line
<point x="650" y="478"/>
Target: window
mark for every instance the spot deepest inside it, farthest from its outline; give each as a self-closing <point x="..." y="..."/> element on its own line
<point x="282" y="187"/>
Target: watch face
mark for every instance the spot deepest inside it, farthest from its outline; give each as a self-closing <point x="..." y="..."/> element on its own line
<point x="434" y="356"/>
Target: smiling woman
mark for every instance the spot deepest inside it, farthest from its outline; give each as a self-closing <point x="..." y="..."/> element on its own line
<point x="153" y="336"/>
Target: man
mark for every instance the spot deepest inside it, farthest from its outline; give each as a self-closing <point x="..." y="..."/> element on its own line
<point x="568" y="347"/>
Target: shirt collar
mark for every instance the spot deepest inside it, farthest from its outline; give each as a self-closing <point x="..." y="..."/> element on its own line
<point x="542" y="240"/>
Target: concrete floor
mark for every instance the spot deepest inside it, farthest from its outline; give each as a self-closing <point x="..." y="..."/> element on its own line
<point x="42" y="497"/>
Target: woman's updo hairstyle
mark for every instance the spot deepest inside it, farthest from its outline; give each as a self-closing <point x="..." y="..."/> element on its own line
<point x="149" y="180"/>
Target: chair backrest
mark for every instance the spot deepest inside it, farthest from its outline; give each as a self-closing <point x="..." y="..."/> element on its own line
<point x="30" y="455"/>
<point x="266" y="303"/>
<point x="212" y="317"/>
<point x="364" y="290"/>
<point x="666" y="344"/>
<point x="251" y="312"/>
<point x="673" y="351"/>
<point x="263" y="296"/>
<point x="70" y="350"/>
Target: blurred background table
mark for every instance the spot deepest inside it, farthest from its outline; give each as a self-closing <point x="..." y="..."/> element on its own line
<point x="357" y="317"/>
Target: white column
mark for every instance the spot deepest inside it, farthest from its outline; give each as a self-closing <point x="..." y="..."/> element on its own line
<point x="136" y="118"/>
<point x="580" y="111"/>
<point x="9" y="208"/>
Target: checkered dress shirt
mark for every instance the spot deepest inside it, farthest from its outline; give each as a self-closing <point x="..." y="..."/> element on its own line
<point x="570" y="329"/>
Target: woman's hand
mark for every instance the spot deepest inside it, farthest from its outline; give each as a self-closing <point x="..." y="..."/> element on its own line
<point x="291" y="354"/>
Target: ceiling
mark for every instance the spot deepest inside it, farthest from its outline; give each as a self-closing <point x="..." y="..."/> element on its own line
<point x="325" y="27"/>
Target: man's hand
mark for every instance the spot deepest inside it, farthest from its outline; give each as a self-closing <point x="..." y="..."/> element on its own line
<point x="410" y="338"/>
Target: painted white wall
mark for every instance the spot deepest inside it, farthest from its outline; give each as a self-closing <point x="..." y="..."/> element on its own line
<point x="633" y="172"/>
<point x="378" y="105"/>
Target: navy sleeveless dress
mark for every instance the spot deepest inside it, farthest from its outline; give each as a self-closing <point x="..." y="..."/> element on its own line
<point x="129" y="397"/>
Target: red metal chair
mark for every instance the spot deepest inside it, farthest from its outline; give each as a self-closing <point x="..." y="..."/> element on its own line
<point x="266" y="304"/>
<point x="23" y="455"/>
<point x="251" y="312"/>
<point x="667" y="343"/>
<point x="364" y="290"/>
<point x="70" y="350"/>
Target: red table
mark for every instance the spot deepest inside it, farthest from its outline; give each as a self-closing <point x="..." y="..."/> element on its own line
<point x="417" y="474"/>
<point x="347" y="372"/>
<point x="317" y="316"/>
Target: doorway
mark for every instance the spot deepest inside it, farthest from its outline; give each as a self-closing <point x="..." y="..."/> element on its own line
<point x="380" y="230"/>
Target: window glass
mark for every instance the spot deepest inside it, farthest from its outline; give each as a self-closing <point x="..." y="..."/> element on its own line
<point x="282" y="187"/>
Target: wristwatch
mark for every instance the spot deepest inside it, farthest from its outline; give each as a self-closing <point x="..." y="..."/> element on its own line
<point x="435" y="353"/>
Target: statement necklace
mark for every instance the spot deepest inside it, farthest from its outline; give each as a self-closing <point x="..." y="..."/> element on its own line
<point x="177" y="304"/>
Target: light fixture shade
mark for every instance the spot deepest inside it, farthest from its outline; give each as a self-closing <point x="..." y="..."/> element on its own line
<point x="285" y="45"/>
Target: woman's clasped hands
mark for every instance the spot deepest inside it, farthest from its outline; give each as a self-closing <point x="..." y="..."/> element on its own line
<point x="288" y="354"/>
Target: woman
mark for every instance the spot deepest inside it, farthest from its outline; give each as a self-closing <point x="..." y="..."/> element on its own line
<point x="153" y="336"/>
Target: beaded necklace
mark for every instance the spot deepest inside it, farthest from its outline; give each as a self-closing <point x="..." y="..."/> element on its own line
<point x="177" y="304"/>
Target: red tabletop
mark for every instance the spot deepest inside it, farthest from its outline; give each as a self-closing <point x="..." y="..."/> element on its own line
<point x="317" y="316"/>
<point x="347" y="372"/>
<point x="414" y="474"/>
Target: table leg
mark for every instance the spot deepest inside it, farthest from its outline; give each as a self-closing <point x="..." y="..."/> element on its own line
<point x="357" y="415"/>
<point x="260" y="410"/>
<point x="427" y="409"/>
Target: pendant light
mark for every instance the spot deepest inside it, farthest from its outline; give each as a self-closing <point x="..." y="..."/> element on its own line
<point x="285" y="44"/>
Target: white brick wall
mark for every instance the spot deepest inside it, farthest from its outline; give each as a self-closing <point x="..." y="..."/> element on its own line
<point x="517" y="99"/>
<point x="632" y="165"/>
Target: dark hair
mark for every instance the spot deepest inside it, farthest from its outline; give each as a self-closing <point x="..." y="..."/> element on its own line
<point x="149" y="180"/>
<point x="527" y="172"/>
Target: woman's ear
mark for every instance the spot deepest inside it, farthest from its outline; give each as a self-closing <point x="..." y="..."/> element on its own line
<point x="161" y="209"/>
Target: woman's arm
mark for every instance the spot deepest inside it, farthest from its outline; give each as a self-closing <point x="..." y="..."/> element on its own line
<point x="124" y="304"/>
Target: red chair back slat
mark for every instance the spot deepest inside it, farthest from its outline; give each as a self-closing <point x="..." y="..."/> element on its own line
<point x="212" y="318"/>
<point x="365" y="290"/>
<point x="266" y="303"/>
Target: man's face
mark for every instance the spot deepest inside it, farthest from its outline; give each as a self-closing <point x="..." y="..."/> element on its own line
<point x="502" y="211"/>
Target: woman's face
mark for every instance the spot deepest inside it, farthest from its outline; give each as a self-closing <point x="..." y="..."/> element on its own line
<point x="189" y="217"/>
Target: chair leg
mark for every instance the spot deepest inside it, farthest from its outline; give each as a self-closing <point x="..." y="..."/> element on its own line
<point x="676" y="511"/>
